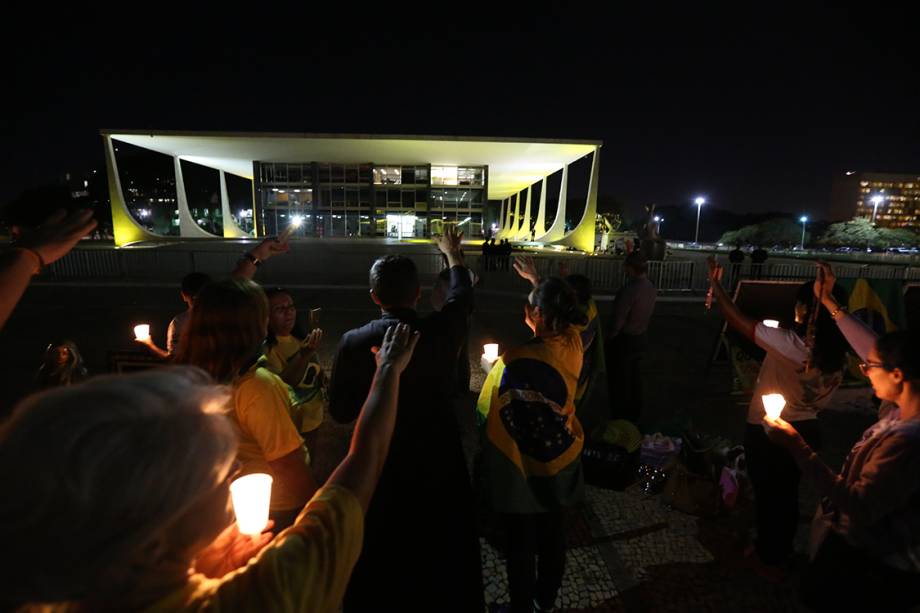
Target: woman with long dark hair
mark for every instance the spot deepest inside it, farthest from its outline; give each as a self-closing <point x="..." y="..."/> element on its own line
<point x="531" y="460"/>
<point x="806" y="371"/>
<point x="224" y="337"/>
<point x="62" y="365"/>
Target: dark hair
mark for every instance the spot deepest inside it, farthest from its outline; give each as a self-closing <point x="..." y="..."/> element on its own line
<point x="901" y="350"/>
<point x="193" y="282"/>
<point x="271" y="340"/>
<point x="52" y="374"/>
<point x="582" y="286"/>
<point x="829" y="353"/>
<point x="394" y="280"/>
<point x="225" y="329"/>
<point x="558" y="304"/>
<point x="637" y="262"/>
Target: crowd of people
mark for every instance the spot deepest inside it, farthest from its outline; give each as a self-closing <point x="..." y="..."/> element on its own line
<point x="118" y="486"/>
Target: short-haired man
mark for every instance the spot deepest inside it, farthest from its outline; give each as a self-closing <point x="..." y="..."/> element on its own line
<point x="627" y="342"/>
<point x="423" y="509"/>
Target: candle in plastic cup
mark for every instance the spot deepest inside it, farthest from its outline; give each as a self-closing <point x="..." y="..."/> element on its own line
<point x="251" y="496"/>
<point x="490" y="351"/>
<point x="142" y="332"/>
<point x="773" y="404"/>
<point x="771" y="323"/>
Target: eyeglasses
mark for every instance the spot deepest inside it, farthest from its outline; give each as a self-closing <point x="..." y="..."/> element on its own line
<point x="865" y="367"/>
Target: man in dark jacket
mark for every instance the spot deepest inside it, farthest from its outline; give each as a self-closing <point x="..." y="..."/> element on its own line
<point x="421" y="549"/>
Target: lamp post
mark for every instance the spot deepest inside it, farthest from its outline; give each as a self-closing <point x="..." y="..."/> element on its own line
<point x="699" y="202"/>
<point x="876" y="200"/>
<point x="658" y="221"/>
<point x="804" y="220"/>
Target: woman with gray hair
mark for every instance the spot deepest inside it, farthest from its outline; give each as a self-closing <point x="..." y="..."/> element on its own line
<point x="117" y="498"/>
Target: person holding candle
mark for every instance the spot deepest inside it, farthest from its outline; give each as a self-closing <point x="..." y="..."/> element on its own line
<point x="531" y="457"/>
<point x="191" y="285"/>
<point x="773" y="472"/>
<point x="224" y="337"/>
<point x="122" y="499"/>
<point x="865" y="541"/>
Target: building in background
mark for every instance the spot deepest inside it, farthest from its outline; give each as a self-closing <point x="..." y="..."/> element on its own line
<point x="890" y="200"/>
<point x="345" y="186"/>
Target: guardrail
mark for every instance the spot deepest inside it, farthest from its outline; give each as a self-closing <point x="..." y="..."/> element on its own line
<point x="606" y="273"/>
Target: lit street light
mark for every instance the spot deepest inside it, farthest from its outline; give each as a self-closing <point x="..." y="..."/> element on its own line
<point x="699" y="202"/>
<point x="876" y="200"/>
<point x="658" y="221"/>
<point x="804" y="220"/>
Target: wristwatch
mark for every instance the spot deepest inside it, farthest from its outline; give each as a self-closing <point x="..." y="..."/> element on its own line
<point x="255" y="261"/>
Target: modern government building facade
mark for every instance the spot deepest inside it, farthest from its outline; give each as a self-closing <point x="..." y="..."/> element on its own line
<point x="359" y="186"/>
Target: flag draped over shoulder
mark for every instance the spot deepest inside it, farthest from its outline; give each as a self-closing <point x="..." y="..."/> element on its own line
<point x="593" y="351"/>
<point x="879" y="303"/>
<point x="532" y="450"/>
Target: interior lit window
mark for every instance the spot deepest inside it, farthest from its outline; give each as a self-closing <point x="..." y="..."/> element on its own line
<point x="387" y="175"/>
<point x="444" y="175"/>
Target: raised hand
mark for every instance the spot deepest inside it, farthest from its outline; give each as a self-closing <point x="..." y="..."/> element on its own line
<point x="524" y="266"/>
<point x="54" y="238"/>
<point x="270" y="247"/>
<point x="449" y="242"/>
<point x="715" y="269"/>
<point x="397" y="347"/>
<point x="313" y="340"/>
<point x="824" y="281"/>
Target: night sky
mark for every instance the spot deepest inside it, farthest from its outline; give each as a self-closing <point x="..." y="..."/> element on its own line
<point x="757" y="110"/>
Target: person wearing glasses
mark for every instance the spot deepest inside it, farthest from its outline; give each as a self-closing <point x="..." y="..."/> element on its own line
<point x="865" y="540"/>
<point x="807" y="378"/>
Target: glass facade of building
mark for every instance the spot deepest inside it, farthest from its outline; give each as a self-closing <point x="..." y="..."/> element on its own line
<point x="368" y="200"/>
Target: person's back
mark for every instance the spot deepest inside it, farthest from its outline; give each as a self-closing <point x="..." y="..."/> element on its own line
<point x="423" y="507"/>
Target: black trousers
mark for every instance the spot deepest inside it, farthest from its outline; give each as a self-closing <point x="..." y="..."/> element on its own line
<point x="623" y="355"/>
<point x="775" y="478"/>
<point x="844" y="578"/>
<point x="535" y="558"/>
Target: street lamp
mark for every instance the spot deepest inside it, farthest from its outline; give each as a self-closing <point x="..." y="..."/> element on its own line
<point x="699" y="202"/>
<point x="804" y="220"/>
<point x="876" y="200"/>
<point x="658" y="221"/>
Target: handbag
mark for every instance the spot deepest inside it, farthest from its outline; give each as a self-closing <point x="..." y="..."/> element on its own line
<point x="691" y="493"/>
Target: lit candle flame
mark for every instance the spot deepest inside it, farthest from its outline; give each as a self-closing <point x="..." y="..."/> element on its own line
<point x="251" y="496"/>
<point x="773" y="404"/>
<point x="490" y="351"/>
<point x="142" y="332"/>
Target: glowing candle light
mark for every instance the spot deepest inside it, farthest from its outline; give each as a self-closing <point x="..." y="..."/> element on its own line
<point x="490" y="351"/>
<point x="296" y="221"/>
<point x="773" y="404"/>
<point x="251" y="495"/>
<point x="142" y="332"/>
<point x="771" y="323"/>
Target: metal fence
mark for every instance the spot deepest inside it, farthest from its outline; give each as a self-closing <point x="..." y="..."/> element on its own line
<point x="606" y="273"/>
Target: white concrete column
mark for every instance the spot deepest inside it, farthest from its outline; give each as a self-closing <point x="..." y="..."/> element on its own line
<point x="524" y="229"/>
<point x="539" y="228"/>
<point x="557" y="230"/>
<point x="188" y="227"/>
<point x="231" y="229"/>
<point x="582" y="236"/>
<point x="125" y="228"/>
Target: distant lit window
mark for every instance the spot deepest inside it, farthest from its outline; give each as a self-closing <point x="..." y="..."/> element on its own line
<point x="444" y="175"/>
<point x="470" y="176"/>
<point x="387" y="175"/>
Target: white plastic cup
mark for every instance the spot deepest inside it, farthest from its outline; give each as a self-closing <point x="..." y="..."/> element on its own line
<point x="490" y="351"/>
<point x="142" y="332"/>
<point x="251" y="495"/>
<point x="771" y="323"/>
<point x="773" y="404"/>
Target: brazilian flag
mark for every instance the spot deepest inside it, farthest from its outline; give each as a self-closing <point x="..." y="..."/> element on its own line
<point x="879" y="303"/>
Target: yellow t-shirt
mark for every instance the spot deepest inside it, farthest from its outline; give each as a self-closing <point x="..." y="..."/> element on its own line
<point x="306" y="568"/>
<point x="307" y="411"/>
<point x="262" y="412"/>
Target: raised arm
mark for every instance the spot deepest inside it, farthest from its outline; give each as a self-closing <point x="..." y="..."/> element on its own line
<point x="36" y="249"/>
<point x="733" y="315"/>
<point x="525" y="267"/>
<point x="251" y="260"/>
<point x="860" y="336"/>
<point x="370" y="443"/>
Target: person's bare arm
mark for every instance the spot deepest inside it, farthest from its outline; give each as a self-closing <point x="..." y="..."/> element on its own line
<point x="733" y="315"/>
<point x="525" y="267"/>
<point x="37" y="248"/>
<point x="370" y="443"/>
<point x="296" y="368"/>
<point x="246" y="268"/>
<point x="161" y="353"/>
<point x="292" y="469"/>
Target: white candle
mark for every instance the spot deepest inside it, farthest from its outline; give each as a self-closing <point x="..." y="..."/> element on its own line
<point x="773" y="404"/>
<point x="771" y="323"/>
<point x="142" y="332"/>
<point x="490" y="351"/>
<point x="251" y="496"/>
